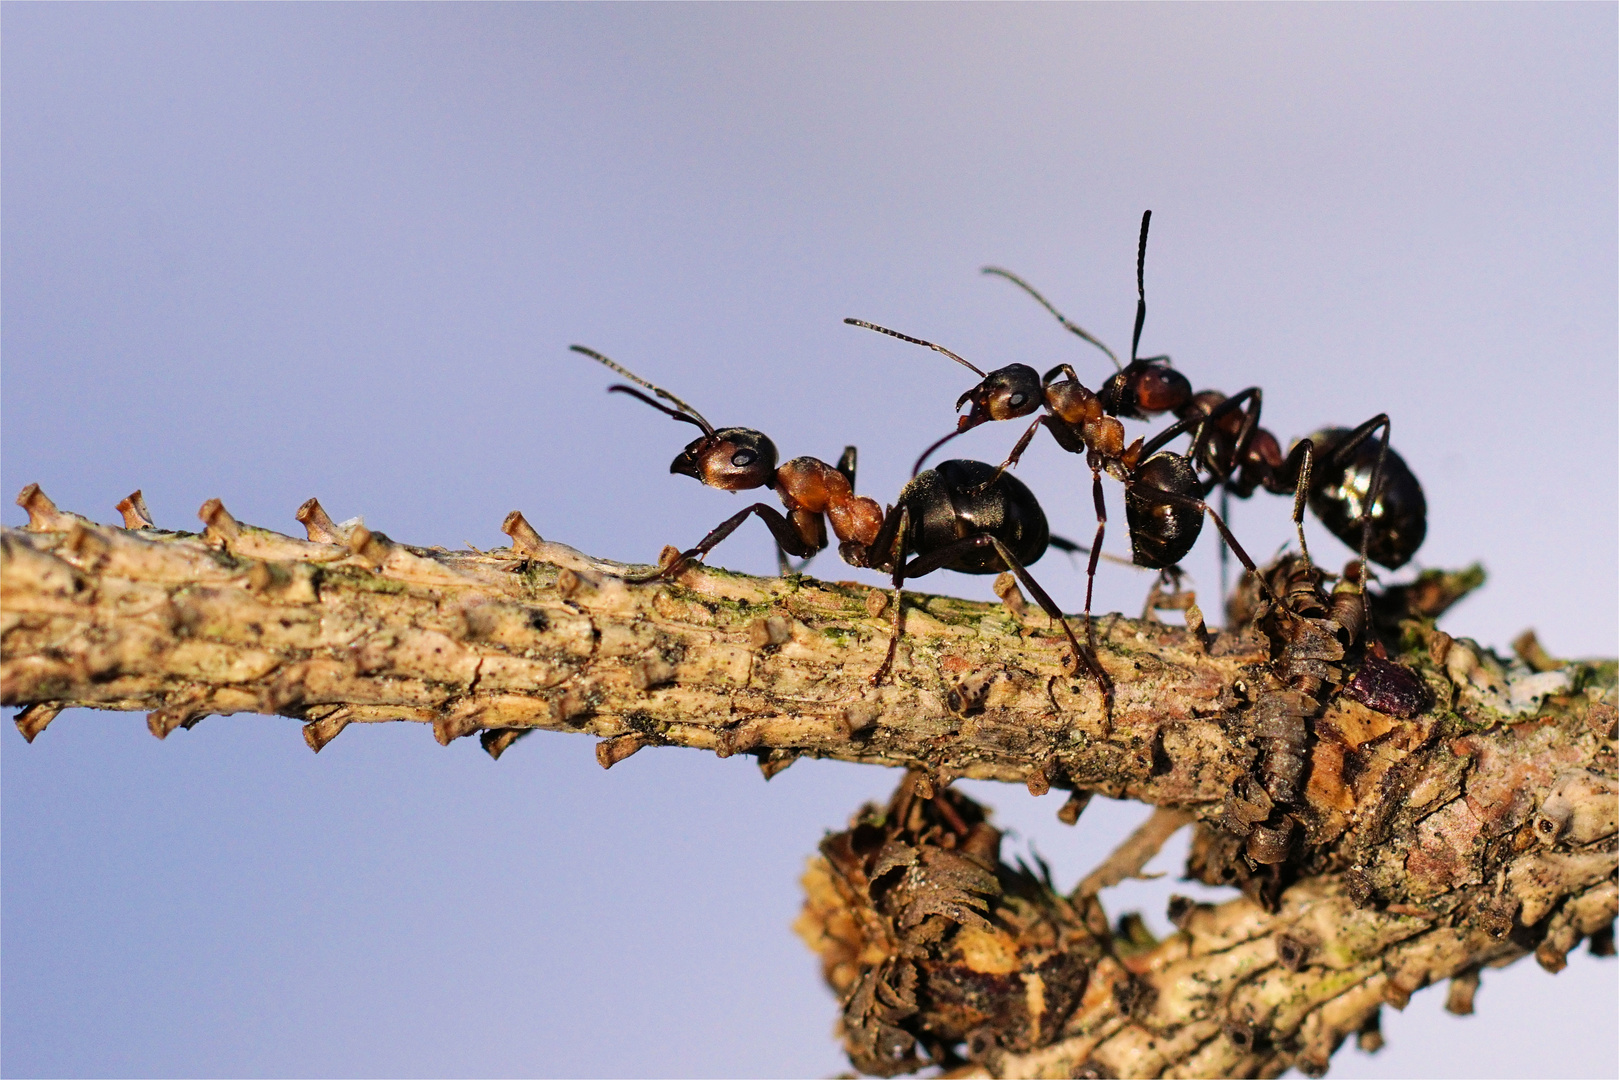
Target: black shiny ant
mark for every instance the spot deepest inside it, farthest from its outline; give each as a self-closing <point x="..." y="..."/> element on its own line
<point x="965" y="516"/>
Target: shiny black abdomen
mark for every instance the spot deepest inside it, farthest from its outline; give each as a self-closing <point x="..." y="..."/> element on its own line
<point x="1400" y="518"/>
<point x="950" y="503"/>
<point x="1162" y="531"/>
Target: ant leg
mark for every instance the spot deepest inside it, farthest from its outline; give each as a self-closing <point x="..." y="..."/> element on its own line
<point x="1083" y="654"/>
<point x="787" y="539"/>
<point x="1016" y="454"/>
<point x="1250" y="402"/>
<point x="1305" y="453"/>
<point x="786" y="566"/>
<point x="929" y="451"/>
<point x="1219" y="522"/>
<point x="1225" y="551"/>
<point x="902" y="529"/>
<point x="1341" y="456"/>
<point x="1096" y="553"/>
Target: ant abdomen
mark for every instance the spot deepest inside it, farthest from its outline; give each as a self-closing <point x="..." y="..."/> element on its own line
<point x="1338" y="496"/>
<point x="959" y="498"/>
<point x="1163" y="530"/>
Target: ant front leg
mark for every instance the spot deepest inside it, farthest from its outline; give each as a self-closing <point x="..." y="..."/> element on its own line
<point x="785" y="566"/>
<point x="1249" y="402"/>
<point x="1015" y="456"/>
<point x="1225" y="552"/>
<point x="788" y="539"/>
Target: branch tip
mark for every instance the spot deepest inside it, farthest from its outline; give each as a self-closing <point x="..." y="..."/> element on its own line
<point x="1006" y="588"/>
<point x="1069" y="812"/>
<point x="317" y="733"/>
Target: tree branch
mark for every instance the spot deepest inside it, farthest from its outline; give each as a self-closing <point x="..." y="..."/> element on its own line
<point x="1471" y="834"/>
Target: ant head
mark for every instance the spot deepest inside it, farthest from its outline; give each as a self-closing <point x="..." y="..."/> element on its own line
<point x="1144" y="389"/>
<point x="1005" y="394"/>
<point x="733" y="459"/>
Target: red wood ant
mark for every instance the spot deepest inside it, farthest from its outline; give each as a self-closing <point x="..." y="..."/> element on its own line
<point x="1163" y="496"/>
<point x="1240" y="456"/>
<point x="963" y="515"/>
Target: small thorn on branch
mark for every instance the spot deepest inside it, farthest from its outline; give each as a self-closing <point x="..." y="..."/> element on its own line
<point x="1038" y="780"/>
<point x="876" y="603"/>
<point x="454" y="724"/>
<point x="36" y="718"/>
<point x="1011" y="596"/>
<point x="1531" y="652"/>
<point x="317" y="733"/>
<point x="1069" y="812"/>
<point x="182" y="714"/>
<point x="525" y="541"/>
<point x="373" y="547"/>
<point x="610" y="752"/>
<point x="218" y="525"/>
<point x="1459" y="999"/>
<point x="496" y="740"/>
<point x="43" y="516"/>
<point x="136" y="516"/>
<point x="318" y="524"/>
<point x="775" y="761"/>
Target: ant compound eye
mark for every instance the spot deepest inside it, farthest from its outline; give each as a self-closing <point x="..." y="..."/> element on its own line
<point x="743" y="458"/>
<point x="1016" y="400"/>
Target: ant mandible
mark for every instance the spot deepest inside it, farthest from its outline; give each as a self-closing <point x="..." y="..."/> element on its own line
<point x="963" y="515"/>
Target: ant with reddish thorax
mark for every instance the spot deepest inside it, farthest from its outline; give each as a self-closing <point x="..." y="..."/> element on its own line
<point x="1163" y="497"/>
<point x="1361" y="489"/>
<point x="965" y="516"/>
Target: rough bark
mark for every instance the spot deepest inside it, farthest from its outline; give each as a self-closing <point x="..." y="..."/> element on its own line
<point x="1471" y="834"/>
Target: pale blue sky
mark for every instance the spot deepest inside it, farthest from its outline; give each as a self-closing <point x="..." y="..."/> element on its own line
<point x="273" y="251"/>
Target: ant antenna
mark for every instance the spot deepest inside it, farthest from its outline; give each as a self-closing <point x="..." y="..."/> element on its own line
<point x="1043" y="302"/>
<point x="1141" y="286"/>
<point x="918" y="341"/>
<point x="929" y="451"/>
<point x="682" y="411"/>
